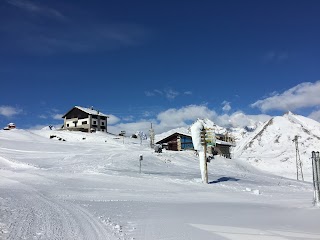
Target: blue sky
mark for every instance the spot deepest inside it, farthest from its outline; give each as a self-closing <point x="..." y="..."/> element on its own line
<point x="166" y="62"/>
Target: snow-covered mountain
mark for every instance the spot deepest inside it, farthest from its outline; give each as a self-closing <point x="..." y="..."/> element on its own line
<point x="270" y="147"/>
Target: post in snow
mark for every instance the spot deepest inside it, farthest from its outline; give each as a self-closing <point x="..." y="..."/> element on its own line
<point x="140" y="160"/>
<point x="316" y="177"/>
<point x="198" y="133"/>
<point x="151" y="132"/>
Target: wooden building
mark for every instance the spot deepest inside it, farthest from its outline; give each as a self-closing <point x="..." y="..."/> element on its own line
<point x="222" y="148"/>
<point x="177" y="142"/>
<point x="10" y="126"/>
<point x="85" y="120"/>
<point x="181" y="141"/>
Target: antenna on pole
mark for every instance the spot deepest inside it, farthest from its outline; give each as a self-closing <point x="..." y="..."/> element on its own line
<point x="298" y="160"/>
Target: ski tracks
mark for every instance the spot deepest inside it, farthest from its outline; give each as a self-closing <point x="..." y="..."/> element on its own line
<point x="30" y="215"/>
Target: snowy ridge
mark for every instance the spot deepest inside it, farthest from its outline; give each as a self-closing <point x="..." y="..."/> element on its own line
<point x="271" y="147"/>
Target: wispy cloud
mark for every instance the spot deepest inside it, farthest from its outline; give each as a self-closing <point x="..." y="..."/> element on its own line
<point x="128" y="118"/>
<point x="67" y="32"/>
<point x="301" y="96"/>
<point x="42" y="116"/>
<point x="36" y="9"/>
<point x="276" y="56"/>
<point x="226" y="106"/>
<point x="9" y="111"/>
<point x="171" y="94"/>
<point x="149" y="93"/>
<point x="168" y="93"/>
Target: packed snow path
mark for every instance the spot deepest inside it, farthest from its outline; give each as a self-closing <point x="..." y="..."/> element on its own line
<point x="31" y="215"/>
<point x="89" y="187"/>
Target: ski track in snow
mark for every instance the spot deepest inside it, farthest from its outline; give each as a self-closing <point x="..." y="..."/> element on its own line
<point x="30" y="215"/>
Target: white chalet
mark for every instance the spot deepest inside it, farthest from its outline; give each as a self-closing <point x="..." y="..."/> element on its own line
<point x="85" y="120"/>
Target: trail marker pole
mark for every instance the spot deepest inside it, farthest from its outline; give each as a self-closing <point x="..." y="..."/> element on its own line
<point x="140" y="160"/>
<point x="123" y="133"/>
<point x="204" y="143"/>
<point x="151" y="132"/>
<point x="316" y="177"/>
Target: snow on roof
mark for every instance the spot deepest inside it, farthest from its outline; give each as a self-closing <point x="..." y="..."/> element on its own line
<point x="91" y="111"/>
<point x="182" y="131"/>
<point x="224" y="143"/>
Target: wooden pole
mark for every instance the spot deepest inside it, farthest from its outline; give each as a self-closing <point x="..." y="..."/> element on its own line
<point x="205" y="163"/>
<point x="204" y="144"/>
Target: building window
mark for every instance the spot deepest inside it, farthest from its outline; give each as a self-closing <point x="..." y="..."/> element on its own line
<point x="68" y="125"/>
<point x="102" y="123"/>
<point x="94" y="122"/>
<point x="84" y="122"/>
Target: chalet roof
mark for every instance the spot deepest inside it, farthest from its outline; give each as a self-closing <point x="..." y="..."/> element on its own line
<point x="88" y="110"/>
<point x="172" y="135"/>
<point x="224" y="143"/>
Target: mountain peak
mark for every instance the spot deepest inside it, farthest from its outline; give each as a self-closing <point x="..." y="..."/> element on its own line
<point x="288" y="113"/>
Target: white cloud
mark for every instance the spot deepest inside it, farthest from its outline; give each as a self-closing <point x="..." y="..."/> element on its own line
<point x="183" y="117"/>
<point x="187" y="93"/>
<point x="113" y="119"/>
<point x="57" y="116"/>
<point x="240" y="119"/>
<point x="226" y="106"/>
<point x="315" y="115"/>
<point x="301" y="96"/>
<point x="130" y="128"/>
<point x="178" y="117"/>
<point x="8" y="111"/>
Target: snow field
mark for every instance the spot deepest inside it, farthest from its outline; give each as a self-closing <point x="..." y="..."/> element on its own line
<point x="91" y="189"/>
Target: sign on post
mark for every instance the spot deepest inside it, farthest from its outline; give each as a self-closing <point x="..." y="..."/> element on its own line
<point x="210" y="137"/>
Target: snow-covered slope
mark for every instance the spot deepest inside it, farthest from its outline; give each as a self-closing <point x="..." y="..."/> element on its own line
<point x="89" y="187"/>
<point x="271" y="147"/>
